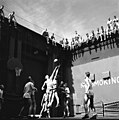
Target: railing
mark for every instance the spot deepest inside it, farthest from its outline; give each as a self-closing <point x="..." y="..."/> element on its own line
<point x="111" y="109"/>
<point x="108" y="109"/>
<point x="111" y="42"/>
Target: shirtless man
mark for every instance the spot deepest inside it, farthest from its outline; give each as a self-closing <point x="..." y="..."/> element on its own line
<point x="88" y="96"/>
<point x="48" y="83"/>
<point x="44" y="104"/>
<point x="67" y="100"/>
<point x="54" y="87"/>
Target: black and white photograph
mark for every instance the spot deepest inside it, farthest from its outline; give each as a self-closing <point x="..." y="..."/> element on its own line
<point x="59" y="59"/>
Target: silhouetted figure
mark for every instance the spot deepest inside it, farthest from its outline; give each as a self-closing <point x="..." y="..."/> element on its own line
<point x="110" y="23"/>
<point x="2" y="15"/>
<point x="89" y="42"/>
<point x="103" y="36"/>
<point x="76" y="36"/>
<point x="72" y="43"/>
<point x="12" y="20"/>
<point x="46" y="35"/>
<point x="72" y="48"/>
<point x="53" y="39"/>
<point x="76" y="40"/>
<point x="116" y="23"/>
<point x="66" y="44"/>
<point x="62" y="42"/>
<point x="94" y="40"/>
<point x="99" y="38"/>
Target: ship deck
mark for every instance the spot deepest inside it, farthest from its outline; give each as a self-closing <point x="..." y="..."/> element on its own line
<point x="110" y="115"/>
<point x="107" y="111"/>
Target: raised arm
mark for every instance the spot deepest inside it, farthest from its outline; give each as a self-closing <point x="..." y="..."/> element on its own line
<point x="42" y="88"/>
<point x="52" y="75"/>
<point x="56" y="72"/>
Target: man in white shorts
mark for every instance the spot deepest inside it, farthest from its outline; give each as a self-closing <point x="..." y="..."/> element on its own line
<point x="88" y="96"/>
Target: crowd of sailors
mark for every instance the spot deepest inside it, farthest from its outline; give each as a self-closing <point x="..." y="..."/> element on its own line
<point x="11" y="17"/>
<point x="101" y="34"/>
<point x="76" y="42"/>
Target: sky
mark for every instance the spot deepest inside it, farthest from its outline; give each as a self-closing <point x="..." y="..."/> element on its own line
<point x="62" y="17"/>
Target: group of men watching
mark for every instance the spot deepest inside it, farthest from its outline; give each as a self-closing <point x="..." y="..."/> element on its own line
<point x="78" y="42"/>
<point x="11" y="17"/>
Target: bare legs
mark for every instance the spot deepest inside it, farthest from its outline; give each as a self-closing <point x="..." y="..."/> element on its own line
<point x="29" y="105"/>
<point x="66" y="108"/>
<point x="52" y="98"/>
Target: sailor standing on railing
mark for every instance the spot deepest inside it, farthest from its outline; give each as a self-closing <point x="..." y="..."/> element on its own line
<point x="115" y="23"/>
<point x="46" y="35"/>
<point x="2" y="15"/>
<point x="12" y="19"/>
<point x="110" y="23"/>
<point x="53" y="39"/>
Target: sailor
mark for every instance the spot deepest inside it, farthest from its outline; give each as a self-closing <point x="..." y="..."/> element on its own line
<point x="2" y="15"/>
<point x="11" y="18"/>
<point x="46" y="35"/>
<point x="116" y="23"/>
<point x="88" y="96"/>
<point x="48" y="83"/>
<point x="67" y="99"/>
<point x="29" y="97"/>
<point x="53" y="39"/>
<point x="54" y="87"/>
<point x="110" y="23"/>
<point x="44" y="104"/>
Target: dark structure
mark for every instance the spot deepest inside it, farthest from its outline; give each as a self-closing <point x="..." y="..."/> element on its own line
<point x="35" y="55"/>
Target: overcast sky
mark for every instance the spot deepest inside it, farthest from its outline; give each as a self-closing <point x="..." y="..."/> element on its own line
<point x="62" y="17"/>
